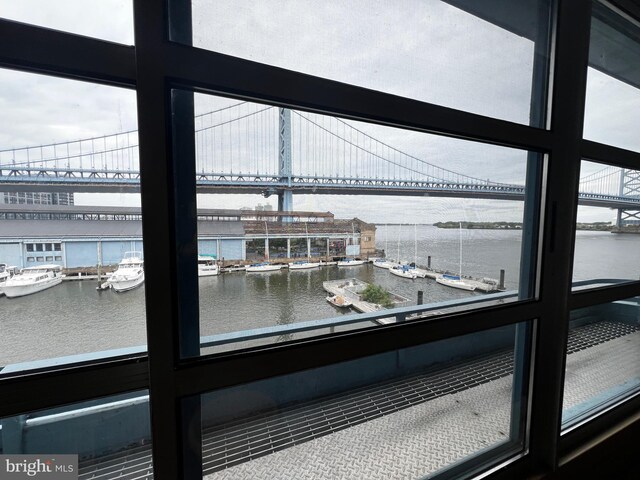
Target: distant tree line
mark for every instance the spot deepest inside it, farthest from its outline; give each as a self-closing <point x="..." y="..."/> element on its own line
<point x="599" y="226"/>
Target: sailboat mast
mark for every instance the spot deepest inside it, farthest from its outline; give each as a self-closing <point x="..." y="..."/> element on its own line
<point x="415" y="244"/>
<point x="306" y="230"/>
<point x="266" y="253"/>
<point x="398" y="256"/>
<point x="460" y="247"/>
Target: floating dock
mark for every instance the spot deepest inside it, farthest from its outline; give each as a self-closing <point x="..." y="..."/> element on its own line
<point x="352" y="289"/>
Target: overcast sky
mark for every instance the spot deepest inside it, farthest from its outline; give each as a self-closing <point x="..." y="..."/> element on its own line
<point x="421" y="49"/>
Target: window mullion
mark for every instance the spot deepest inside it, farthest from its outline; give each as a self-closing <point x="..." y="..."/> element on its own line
<point x="571" y="51"/>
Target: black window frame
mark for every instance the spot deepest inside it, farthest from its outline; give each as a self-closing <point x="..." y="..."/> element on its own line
<point x="156" y="65"/>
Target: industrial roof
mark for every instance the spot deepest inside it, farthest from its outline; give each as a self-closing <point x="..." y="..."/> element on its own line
<point x="60" y="229"/>
<point x="106" y="210"/>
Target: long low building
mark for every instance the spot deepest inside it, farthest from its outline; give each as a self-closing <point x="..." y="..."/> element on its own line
<point x="85" y="236"/>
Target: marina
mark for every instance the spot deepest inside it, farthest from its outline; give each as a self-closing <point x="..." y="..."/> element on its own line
<point x="71" y="317"/>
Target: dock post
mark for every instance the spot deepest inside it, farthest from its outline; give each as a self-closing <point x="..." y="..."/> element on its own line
<point x="429" y="262"/>
<point x="420" y="297"/>
<point x="501" y="283"/>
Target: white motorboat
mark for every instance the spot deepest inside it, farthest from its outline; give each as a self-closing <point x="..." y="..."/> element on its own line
<point x="349" y="262"/>
<point x="33" y="279"/>
<point x="6" y="273"/>
<point x="130" y="273"/>
<point x="262" y="267"/>
<point x="339" y="301"/>
<point x="207" y="266"/>
<point x="303" y="265"/>
<point x="404" y="271"/>
<point x="455" y="281"/>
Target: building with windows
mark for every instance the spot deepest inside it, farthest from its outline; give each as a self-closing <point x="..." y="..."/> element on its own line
<point x="36" y="198"/>
<point x="85" y="237"/>
<point x="402" y="109"/>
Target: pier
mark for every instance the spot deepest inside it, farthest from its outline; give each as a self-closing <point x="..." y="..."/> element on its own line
<point x="352" y="289"/>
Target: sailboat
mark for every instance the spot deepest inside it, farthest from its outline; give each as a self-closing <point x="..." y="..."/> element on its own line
<point x="456" y="281"/>
<point x="263" y="266"/>
<point x="404" y="271"/>
<point x="414" y="265"/>
<point x="350" y="262"/>
<point x="383" y="262"/>
<point x="304" y="264"/>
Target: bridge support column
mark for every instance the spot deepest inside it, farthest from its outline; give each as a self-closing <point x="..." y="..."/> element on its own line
<point x="285" y="197"/>
<point x="285" y="202"/>
<point x="629" y="187"/>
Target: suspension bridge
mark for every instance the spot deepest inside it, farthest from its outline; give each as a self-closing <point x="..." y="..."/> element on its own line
<point x="250" y="148"/>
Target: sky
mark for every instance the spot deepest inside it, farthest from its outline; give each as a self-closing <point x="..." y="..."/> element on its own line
<point x="426" y="50"/>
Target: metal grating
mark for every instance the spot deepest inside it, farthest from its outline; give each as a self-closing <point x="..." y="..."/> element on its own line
<point x="250" y="438"/>
<point x="133" y="464"/>
<point x="237" y="442"/>
<point x="594" y="334"/>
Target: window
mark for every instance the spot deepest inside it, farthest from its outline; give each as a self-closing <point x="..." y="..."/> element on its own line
<point x="603" y="358"/>
<point x="84" y="18"/>
<point x="369" y="48"/>
<point x="91" y="128"/>
<point x="453" y="136"/>
<point x="607" y="245"/>
<point x="237" y="140"/>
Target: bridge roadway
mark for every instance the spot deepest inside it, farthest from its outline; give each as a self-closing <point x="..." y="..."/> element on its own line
<point x="105" y="181"/>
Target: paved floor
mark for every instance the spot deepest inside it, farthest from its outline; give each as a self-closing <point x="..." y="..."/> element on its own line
<point x="408" y="428"/>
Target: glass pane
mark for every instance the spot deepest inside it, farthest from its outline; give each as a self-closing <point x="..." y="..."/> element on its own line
<point x="105" y="19"/>
<point x="470" y="58"/>
<point x="302" y="217"/>
<point x="402" y="414"/>
<point x="613" y="88"/>
<point x="109" y="438"/>
<point x="603" y="358"/>
<point x="68" y="216"/>
<point x="607" y="248"/>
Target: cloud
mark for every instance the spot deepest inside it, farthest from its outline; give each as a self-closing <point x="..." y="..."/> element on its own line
<point x="425" y="50"/>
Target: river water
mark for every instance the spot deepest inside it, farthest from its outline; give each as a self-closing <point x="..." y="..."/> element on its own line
<point x="74" y="318"/>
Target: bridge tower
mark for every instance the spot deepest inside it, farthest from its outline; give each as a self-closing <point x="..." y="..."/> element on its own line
<point x="285" y="196"/>
<point x="629" y="187"/>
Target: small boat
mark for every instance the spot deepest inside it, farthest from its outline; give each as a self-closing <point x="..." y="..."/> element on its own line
<point x="130" y="273"/>
<point x="303" y="265"/>
<point x="454" y="281"/>
<point x="349" y="262"/>
<point x="262" y="267"/>
<point x="404" y="271"/>
<point x="6" y="273"/>
<point x="33" y="279"/>
<point x="382" y="263"/>
<point x="339" y="301"/>
<point x="207" y="266"/>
